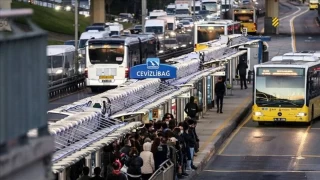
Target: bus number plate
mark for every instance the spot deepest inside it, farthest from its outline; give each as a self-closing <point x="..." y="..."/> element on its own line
<point x="106" y="81"/>
<point x="106" y="77"/>
<point x="279" y="119"/>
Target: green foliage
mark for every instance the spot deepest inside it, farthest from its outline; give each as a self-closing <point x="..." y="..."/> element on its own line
<point x="52" y="20"/>
<point x="53" y="42"/>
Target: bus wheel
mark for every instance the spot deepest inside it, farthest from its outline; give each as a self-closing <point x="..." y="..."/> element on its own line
<point x="261" y="123"/>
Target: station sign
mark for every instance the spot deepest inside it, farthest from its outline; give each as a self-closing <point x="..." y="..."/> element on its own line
<point x="219" y="73"/>
<point x="153" y="69"/>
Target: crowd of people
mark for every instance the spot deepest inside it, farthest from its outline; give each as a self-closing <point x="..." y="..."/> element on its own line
<point x="142" y="152"/>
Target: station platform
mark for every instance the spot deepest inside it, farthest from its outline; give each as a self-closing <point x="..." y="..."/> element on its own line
<point x="214" y="128"/>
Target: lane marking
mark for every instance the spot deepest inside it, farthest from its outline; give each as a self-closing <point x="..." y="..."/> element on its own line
<point x="295" y="12"/>
<point x="293" y="36"/>
<point x="225" y="123"/>
<point x="255" y="171"/>
<point x="226" y="144"/>
<point x="255" y="155"/>
<point x="266" y="127"/>
<point x="303" y="141"/>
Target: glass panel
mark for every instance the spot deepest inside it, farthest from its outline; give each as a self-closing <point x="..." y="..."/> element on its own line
<point x="106" y="53"/>
<point x="246" y="18"/>
<point x="155" y="29"/>
<point x="209" y="33"/>
<point x="284" y="91"/>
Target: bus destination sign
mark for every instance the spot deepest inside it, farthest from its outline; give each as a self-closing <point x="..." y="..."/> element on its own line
<point x="280" y="71"/>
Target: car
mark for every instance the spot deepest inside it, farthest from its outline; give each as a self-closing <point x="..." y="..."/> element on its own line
<point x="186" y="23"/>
<point x="137" y="27"/>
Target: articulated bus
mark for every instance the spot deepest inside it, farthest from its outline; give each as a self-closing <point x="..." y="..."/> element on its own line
<point x="313" y="4"/>
<point x="287" y="89"/>
<point x="248" y="18"/>
<point x="211" y="30"/>
<point x="108" y="60"/>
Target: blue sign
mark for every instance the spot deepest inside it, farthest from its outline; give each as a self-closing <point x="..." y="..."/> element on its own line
<point x="153" y="69"/>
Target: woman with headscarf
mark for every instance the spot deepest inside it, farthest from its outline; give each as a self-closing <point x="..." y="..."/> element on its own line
<point x="148" y="161"/>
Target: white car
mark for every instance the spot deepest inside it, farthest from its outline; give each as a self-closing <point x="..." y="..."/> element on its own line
<point x="186" y="23"/>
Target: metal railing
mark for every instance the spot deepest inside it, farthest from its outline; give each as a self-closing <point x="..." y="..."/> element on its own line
<point x="165" y="171"/>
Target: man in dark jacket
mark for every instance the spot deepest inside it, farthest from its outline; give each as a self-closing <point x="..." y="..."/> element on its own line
<point x="219" y="90"/>
<point x="242" y="71"/>
<point x="191" y="108"/>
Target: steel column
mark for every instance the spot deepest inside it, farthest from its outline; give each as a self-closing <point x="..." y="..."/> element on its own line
<point x="89" y="164"/>
<point x="98" y="158"/>
<point x="63" y="175"/>
<point x="204" y="94"/>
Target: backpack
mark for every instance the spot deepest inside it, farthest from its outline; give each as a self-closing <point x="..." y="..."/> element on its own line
<point x="192" y="109"/>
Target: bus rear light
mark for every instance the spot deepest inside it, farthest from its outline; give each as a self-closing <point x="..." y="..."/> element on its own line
<point x="255" y="25"/>
<point x="127" y="73"/>
<point x="86" y="72"/>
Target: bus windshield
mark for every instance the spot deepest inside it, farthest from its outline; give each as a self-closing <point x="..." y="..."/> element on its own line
<point x="209" y="33"/>
<point x="280" y="90"/>
<point x="154" y="29"/>
<point x="198" y="8"/>
<point x="55" y="61"/>
<point x="82" y="43"/>
<point x="170" y="10"/>
<point x="246" y="18"/>
<point x="182" y="11"/>
<point x="210" y="6"/>
<point x="106" y="53"/>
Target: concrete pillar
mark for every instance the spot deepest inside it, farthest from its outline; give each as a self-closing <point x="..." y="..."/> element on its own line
<point x="97" y="11"/>
<point x="63" y="175"/>
<point x="272" y="10"/>
<point x="5" y="4"/>
<point x="98" y="158"/>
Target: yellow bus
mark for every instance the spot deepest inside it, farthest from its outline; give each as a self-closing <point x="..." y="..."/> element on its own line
<point x="313" y="4"/>
<point x="287" y="89"/>
<point x="248" y="18"/>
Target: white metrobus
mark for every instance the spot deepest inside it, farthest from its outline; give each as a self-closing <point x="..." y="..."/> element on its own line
<point x="108" y="61"/>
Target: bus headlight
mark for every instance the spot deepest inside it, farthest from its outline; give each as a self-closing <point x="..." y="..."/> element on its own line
<point x="301" y="114"/>
<point x="59" y="71"/>
<point x="257" y="113"/>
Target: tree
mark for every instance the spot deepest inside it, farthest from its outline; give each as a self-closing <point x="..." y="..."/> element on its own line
<point x="108" y="3"/>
